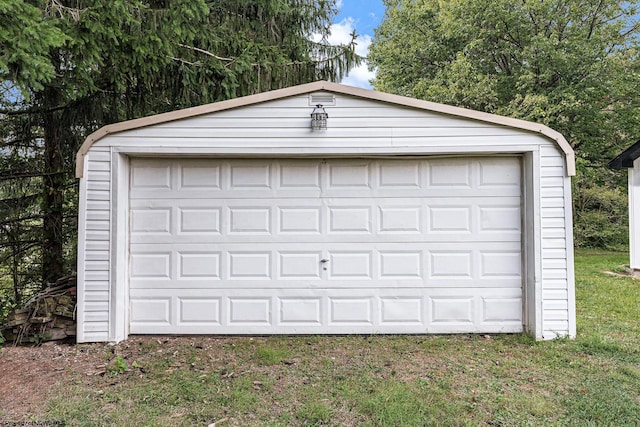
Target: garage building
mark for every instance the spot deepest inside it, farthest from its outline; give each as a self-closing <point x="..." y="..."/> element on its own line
<point x="386" y="215"/>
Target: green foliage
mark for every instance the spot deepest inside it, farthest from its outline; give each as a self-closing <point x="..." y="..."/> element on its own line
<point x="569" y="64"/>
<point x="70" y="67"/>
<point x="601" y="217"/>
<point x="20" y="214"/>
<point x="6" y="303"/>
<point x="458" y="84"/>
<point x="37" y="339"/>
<point x="26" y="37"/>
<point x="117" y="366"/>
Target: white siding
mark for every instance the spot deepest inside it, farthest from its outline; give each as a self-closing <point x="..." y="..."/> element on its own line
<point x="555" y="264"/>
<point x="634" y="215"/>
<point x="94" y="253"/>
<point x="356" y="127"/>
<point x="353" y="123"/>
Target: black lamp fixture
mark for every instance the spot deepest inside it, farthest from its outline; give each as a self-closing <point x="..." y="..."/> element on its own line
<point x="319" y="118"/>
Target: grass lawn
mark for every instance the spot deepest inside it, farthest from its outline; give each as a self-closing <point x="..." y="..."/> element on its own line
<point x="498" y="380"/>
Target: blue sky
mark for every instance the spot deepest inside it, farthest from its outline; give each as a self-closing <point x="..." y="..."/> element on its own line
<point x="363" y="16"/>
<point x="366" y="14"/>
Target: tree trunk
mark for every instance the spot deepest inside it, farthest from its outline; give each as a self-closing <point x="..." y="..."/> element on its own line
<point x="53" y="200"/>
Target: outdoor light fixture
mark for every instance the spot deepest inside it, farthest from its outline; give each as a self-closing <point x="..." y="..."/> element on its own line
<point x="319" y="118"/>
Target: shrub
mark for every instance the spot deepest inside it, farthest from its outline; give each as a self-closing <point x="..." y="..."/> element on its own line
<point x="601" y="217"/>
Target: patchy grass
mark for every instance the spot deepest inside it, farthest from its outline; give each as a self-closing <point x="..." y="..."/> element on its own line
<point x="268" y="355"/>
<point x="464" y="380"/>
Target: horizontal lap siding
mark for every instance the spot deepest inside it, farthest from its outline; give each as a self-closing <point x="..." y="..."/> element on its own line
<point x="96" y="253"/>
<point x="352" y="123"/>
<point x="555" y="295"/>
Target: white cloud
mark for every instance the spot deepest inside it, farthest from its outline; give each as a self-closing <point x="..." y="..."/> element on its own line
<point x="341" y="34"/>
<point x="339" y="4"/>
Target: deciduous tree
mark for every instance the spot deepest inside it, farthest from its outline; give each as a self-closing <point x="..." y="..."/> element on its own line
<point x="570" y="64"/>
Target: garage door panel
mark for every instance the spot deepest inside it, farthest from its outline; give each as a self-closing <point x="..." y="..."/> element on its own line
<point x="214" y="238"/>
<point x="152" y="175"/>
<point x="303" y="310"/>
<point x="463" y="173"/>
<point x="350" y="283"/>
<point x="249" y="219"/>
<point x="249" y="175"/>
<point x="450" y="173"/>
<point x="482" y="201"/>
<point x="400" y="175"/>
<point x="438" y="192"/>
<point x="500" y="172"/>
<point x="293" y="219"/>
<point x="499" y="218"/>
<point x="198" y="311"/>
<point x="349" y="175"/>
<point x="199" y="265"/>
<point x="314" y="310"/>
<point x="200" y="220"/>
<point x="389" y="265"/>
<point x="298" y="175"/>
<point x="325" y="246"/>
<point x="150" y="265"/>
<point x="294" y="265"/>
<point x="151" y="310"/>
<point x="383" y="219"/>
<point x="227" y="178"/>
<point x="199" y="176"/>
<point x="150" y="220"/>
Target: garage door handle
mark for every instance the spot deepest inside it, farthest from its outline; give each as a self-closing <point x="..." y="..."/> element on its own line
<point x="324" y="260"/>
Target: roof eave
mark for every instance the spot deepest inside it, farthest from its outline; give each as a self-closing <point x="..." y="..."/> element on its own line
<point x="625" y="159"/>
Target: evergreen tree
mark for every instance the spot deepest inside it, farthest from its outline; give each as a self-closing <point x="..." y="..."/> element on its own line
<point x="72" y="66"/>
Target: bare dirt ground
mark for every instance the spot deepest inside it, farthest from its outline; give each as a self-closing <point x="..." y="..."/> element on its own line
<point x="29" y="375"/>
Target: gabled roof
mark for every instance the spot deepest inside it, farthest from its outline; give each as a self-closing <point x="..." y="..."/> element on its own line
<point x="626" y="158"/>
<point x="334" y="88"/>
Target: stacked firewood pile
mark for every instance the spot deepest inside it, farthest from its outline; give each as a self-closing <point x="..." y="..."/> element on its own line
<point x="49" y="315"/>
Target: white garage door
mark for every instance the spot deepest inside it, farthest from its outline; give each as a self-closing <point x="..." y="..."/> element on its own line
<point x="227" y="246"/>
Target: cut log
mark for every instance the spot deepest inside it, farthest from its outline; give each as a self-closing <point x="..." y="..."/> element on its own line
<point x="17" y="319"/>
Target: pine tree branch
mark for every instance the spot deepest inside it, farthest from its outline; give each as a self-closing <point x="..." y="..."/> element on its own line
<point x="10" y="112"/>
<point x="30" y="244"/>
<point x="184" y="61"/>
<point x="6" y="222"/>
<point x="257" y="64"/>
<point x="13" y="201"/>
<point x="206" y="52"/>
<point x="14" y="174"/>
